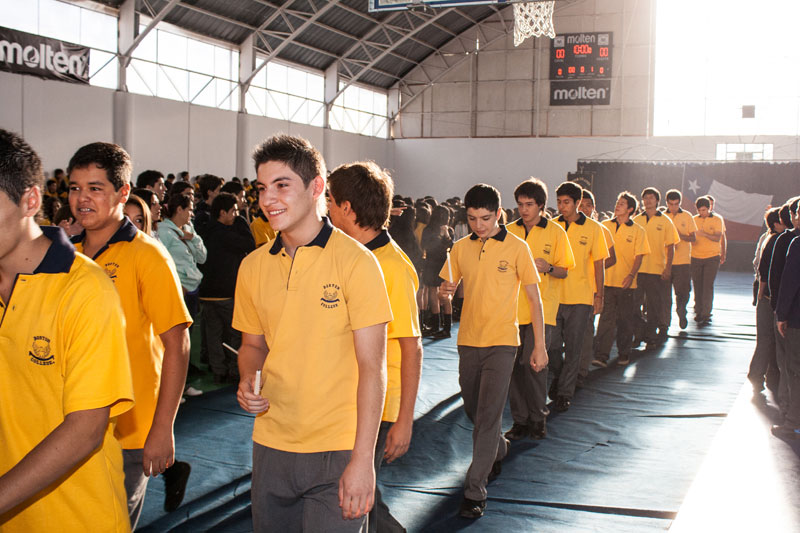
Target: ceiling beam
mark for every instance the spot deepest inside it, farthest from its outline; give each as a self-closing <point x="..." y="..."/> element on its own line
<point x="125" y="57"/>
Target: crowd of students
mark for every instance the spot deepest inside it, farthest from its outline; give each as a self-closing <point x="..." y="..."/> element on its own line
<point x="307" y="285"/>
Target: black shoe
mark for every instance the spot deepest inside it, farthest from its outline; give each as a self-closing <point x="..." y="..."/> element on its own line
<point x="517" y="432"/>
<point x="683" y="321"/>
<point x="538" y="429"/>
<point x="623" y="360"/>
<point x="175" y="478"/>
<point x="562" y="404"/>
<point x="446" y="322"/>
<point x="441" y="334"/>
<point x="472" y="508"/>
<point x="497" y="469"/>
<point x="786" y="432"/>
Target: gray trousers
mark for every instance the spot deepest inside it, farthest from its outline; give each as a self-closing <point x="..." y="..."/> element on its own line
<point x="782" y="349"/>
<point x="379" y="518"/>
<point x="793" y="374"/>
<point x="299" y="491"/>
<point x="527" y="393"/>
<point x="587" y="348"/>
<point x="217" y="319"/>
<point x="656" y="291"/>
<point x="682" y="285"/>
<point x="617" y="317"/>
<point x="571" y="324"/>
<point x="135" y="483"/>
<point x="704" y="272"/>
<point x="764" y="361"/>
<point x="484" y="375"/>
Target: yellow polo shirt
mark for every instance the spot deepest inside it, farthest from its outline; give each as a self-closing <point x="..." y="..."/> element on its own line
<point x="401" y="286"/>
<point x="547" y="240"/>
<point x="152" y="299"/>
<point x="261" y="230"/>
<point x="684" y="224"/>
<point x="62" y="347"/>
<point x="660" y="233"/>
<point x="418" y="232"/>
<point x="492" y="272"/>
<point x="629" y="241"/>
<point x="587" y="239"/>
<point x="704" y="247"/>
<point x="307" y="308"/>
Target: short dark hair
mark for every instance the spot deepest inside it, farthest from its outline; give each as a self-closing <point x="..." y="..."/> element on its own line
<point x="630" y="199"/>
<point x="571" y="189"/>
<point x="148" y="178"/>
<point x="146" y="194"/>
<point x="295" y="152"/>
<point x="233" y="187"/>
<point x="368" y="189"/>
<point x="482" y="196"/>
<point x="208" y="183"/>
<point x="784" y="213"/>
<point x="793" y="203"/>
<point x="532" y="188"/>
<point x="586" y="194"/>
<point x="20" y="166"/>
<point x="423" y="213"/>
<point x="674" y="194"/>
<point x="110" y="157"/>
<point x="653" y="191"/>
<point x="223" y="202"/>
<point x="772" y="217"/>
<point x="702" y="202"/>
<point x="177" y="201"/>
<point x="711" y="199"/>
<point x="64" y="213"/>
<point x="180" y="186"/>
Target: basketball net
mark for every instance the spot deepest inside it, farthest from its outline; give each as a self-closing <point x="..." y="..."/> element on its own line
<point x="533" y="19"/>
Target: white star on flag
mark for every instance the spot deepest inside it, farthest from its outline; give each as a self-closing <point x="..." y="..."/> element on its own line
<point x="694" y="186"/>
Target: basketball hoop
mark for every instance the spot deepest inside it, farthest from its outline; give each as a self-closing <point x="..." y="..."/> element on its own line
<point x="533" y="19"/>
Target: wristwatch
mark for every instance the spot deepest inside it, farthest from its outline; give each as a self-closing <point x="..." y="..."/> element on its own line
<point x="550" y="270"/>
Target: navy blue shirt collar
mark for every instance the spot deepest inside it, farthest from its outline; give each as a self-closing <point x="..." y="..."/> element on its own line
<point x="378" y="242"/>
<point x="60" y="255"/>
<point x="541" y="224"/>
<point x="320" y="240"/>
<point x="581" y="220"/>
<point x="125" y="233"/>
<point x="647" y="217"/>
<point x="628" y="223"/>
<point x="500" y="235"/>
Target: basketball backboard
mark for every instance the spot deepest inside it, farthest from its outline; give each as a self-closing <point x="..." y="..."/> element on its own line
<point x="389" y="5"/>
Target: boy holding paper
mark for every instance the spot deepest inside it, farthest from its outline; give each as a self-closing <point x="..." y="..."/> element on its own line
<point x="493" y="263"/>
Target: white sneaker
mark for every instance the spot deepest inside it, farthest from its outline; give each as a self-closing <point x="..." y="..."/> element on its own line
<point x="191" y="391"/>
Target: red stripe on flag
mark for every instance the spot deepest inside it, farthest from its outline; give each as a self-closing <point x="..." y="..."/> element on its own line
<point x="736" y="231"/>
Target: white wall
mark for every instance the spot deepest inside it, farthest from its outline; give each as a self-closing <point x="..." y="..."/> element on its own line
<point x="448" y="167"/>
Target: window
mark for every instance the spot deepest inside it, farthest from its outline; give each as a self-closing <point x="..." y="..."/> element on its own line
<point x="71" y="23"/>
<point x="177" y="67"/>
<point x="744" y="152"/>
<point x="717" y="57"/>
<point x="360" y="110"/>
<point x="287" y="93"/>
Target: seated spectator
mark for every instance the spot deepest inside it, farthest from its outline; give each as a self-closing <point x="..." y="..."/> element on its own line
<point x="67" y="221"/>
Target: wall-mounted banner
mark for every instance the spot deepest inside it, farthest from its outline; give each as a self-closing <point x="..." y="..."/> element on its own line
<point x="25" y="53"/>
<point x="580" y="92"/>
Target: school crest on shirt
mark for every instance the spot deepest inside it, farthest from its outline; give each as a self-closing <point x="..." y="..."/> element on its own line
<point x="502" y="266"/>
<point x="547" y="249"/>
<point x="629" y="238"/>
<point x="40" y="353"/>
<point x="111" y="270"/>
<point x="330" y="296"/>
<point x="584" y="240"/>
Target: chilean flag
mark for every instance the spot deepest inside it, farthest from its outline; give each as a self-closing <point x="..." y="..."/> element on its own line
<point x="743" y="212"/>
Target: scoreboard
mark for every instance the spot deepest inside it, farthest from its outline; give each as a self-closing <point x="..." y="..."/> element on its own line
<point x="581" y="56"/>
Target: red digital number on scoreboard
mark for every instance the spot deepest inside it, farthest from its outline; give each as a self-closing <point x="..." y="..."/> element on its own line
<point x="581" y="49"/>
<point x="561" y="53"/>
<point x="603" y="51"/>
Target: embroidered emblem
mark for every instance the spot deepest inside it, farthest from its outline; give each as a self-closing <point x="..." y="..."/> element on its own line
<point x="547" y="249"/>
<point x="630" y="238"/>
<point x="502" y="266"/>
<point x="40" y="351"/>
<point x="584" y="240"/>
<point x="111" y="270"/>
<point x="330" y="296"/>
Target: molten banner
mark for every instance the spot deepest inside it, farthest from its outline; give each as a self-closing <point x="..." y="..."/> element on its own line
<point x="25" y="53"/>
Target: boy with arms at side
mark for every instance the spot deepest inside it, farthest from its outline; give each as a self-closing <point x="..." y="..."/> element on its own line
<point x="706" y="258"/>
<point x="656" y="270"/>
<point x="147" y="282"/>
<point x="312" y="308"/>
<point x="553" y="258"/>
<point x="493" y="264"/>
<point x="581" y="292"/>
<point x="359" y="204"/>
<point x="64" y="369"/>
<point x="682" y="260"/>
<point x="620" y="280"/>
